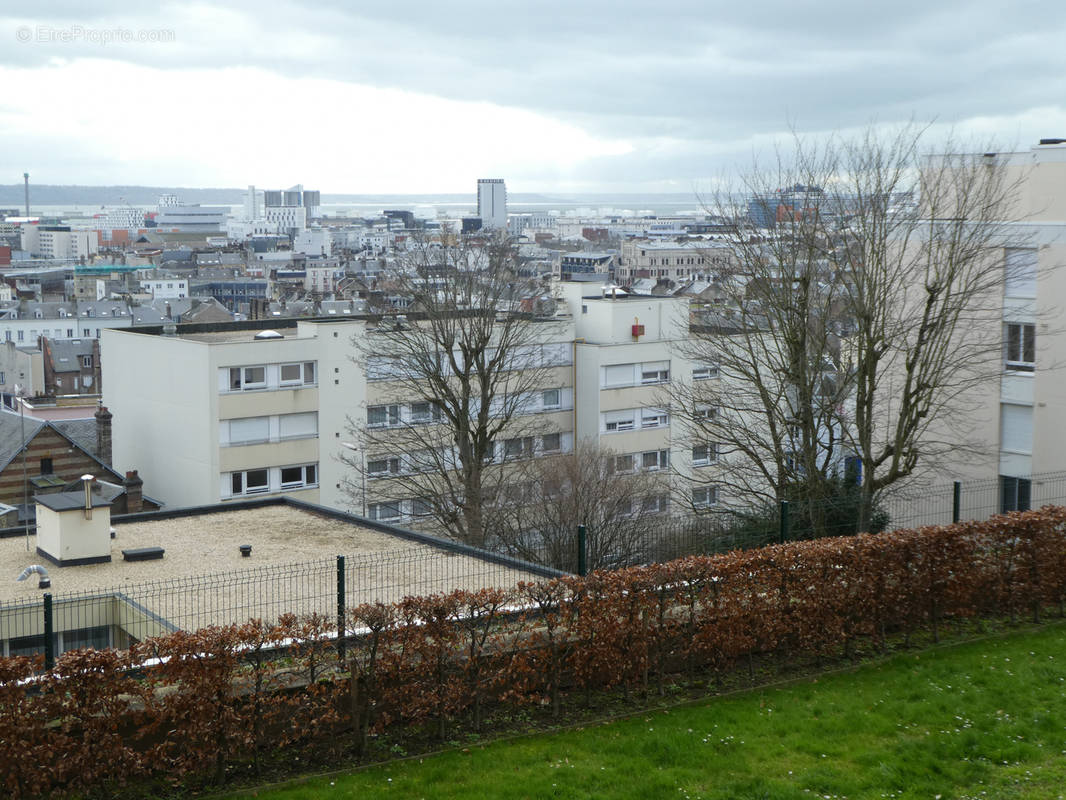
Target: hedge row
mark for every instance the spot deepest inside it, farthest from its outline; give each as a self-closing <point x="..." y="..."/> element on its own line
<point x="192" y="706"/>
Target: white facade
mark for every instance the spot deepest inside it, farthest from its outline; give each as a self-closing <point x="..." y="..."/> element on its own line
<point x="287" y="218"/>
<point x="124" y="218"/>
<point x="492" y="203"/>
<point x="674" y="261"/>
<point x="166" y="288"/>
<point x="58" y="243"/>
<point x="313" y="242"/>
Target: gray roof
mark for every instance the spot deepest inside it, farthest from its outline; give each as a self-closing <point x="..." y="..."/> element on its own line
<point x="69" y="501"/>
<point x="67" y="353"/>
<point x="79" y="432"/>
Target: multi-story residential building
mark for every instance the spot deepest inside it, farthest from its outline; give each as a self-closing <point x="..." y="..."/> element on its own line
<point x="230" y="411"/>
<point x="627" y="356"/>
<point x="1017" y="424"/>
<point x="679" y="262"/>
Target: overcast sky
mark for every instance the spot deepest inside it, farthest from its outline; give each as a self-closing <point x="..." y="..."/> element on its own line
<point x="578" y="96"/>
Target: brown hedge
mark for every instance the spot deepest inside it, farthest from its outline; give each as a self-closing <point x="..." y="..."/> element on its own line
<point x="192" y="707"/>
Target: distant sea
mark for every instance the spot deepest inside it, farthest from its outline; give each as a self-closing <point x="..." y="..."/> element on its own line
<point x="89" y="200"/>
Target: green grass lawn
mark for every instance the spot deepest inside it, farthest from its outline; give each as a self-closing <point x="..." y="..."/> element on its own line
<point x="981" y="720"/>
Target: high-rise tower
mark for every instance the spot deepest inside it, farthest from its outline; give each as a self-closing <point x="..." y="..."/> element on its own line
<point x="492" y="202"/>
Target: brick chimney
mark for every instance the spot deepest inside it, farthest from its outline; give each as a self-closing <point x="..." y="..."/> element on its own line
<point x="103" y="434"/>
<point x="134" y="487"/>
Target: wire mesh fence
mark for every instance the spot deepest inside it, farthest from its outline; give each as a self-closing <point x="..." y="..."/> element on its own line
<point x="122" y="615"/>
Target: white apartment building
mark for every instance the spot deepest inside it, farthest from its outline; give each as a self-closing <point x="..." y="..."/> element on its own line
<point x="124" y="218"/>
<point x="626" y="358"/>
<point x="675" y="261"/>
<point x="1020" y="419"/>
<point x="166" y="288"/>
<point x="58" y="242"/>
<point x="492" y="203"/>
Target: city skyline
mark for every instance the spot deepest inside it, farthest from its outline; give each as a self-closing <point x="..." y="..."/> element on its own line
<point x="577" y="98"/>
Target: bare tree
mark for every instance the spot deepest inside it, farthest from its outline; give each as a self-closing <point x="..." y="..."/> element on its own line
<point x="538" y="512"/>
<point x="857" y="323"/>
<point x="454" y="378"/>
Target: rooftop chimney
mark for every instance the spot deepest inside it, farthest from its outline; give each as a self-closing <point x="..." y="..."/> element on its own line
<point x="103" y="434"/>
<point x="134" y="492"/>
<point x="87" y="484"/>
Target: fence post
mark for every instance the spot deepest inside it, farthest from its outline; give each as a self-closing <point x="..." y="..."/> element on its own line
<point x="956" y="501"/>
<point x="784" y="521"/>
<point x="582" y="551"/>
<point x="341" y="628"/>
<point x="49" y="632"/>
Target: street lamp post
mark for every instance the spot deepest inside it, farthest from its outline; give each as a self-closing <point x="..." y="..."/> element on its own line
<point x="25" y="474"/>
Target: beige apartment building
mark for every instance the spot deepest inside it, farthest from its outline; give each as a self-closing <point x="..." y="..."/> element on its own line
<point x="231" y="411"/>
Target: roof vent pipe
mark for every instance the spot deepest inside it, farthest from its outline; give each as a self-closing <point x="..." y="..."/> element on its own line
<point x="87" y="482"/>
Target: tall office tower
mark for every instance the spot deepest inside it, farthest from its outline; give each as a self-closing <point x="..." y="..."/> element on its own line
<point x="251" y="204"/>
<point x="492" y="202"/>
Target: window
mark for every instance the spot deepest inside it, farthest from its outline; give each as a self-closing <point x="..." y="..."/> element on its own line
<point x="655" y="459"/>
<point x="299" y="477"/>
<point x="1021" y="346"/>
<point x="253" y="481"/>
<point x="1015" y="494"/>
<point x="244" y="378"/>
<point x="421" y="507"/>
<point x="1016" y="428"/>
<point x="704" y="413"/>
<point x="84" y="332"/>
<point x="704" y="371"/>
<point x="653" y="418"/>
<point x="655" y="372"/>
<point x="384" y="511"/>
<point x="551" y="398"/>
<point x="520" y="447"/>
<point x="655" y="504"/>
<point x="250" y="430"/>
<point x="383" y="466"/>
<point x="703" y="454"/>
<point x="46" y="466"/>
<point x="380" y="416"/>
<point x="298" y="426"/>
<point x="425" y="412"/>
<point x="618" y="375"/>
<point x="551" y="442"/>
<point x="87" y="362"/>
<point x="621" y="464"/>
<point x="21" y="335"/>
<point x="302" y="374"/>
<point x="70" y="333"/>
<point x="704" y="496"/>
<point x="1021" y="265"/>
<point x="617" y="421"/>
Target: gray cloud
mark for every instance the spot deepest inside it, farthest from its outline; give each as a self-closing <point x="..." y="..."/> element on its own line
<point x="690" y="72"/>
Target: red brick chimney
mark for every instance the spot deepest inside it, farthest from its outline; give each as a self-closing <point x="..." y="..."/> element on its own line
<point x="134" y="487"/>
<point x="103" y="434"/>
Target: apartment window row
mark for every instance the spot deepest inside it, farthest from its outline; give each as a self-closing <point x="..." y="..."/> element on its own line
<point x="650" y="504"/>
<point x="649" y="461"/>
<point x="383" y="368"/>
<point x="395" y="510"/>
<point x="1020" y="346"/>
<point x="1015" y="494"/>
<point x="632" y="419"/>
<point x="531" y="446"/>
<point x="265" y="480"/>
<point x="395" y="414"/>
<point x="260" y="377"/>
<point x="702" y="372"/>
<point x="276" y="428"/>
<point x="640" y="374"/>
